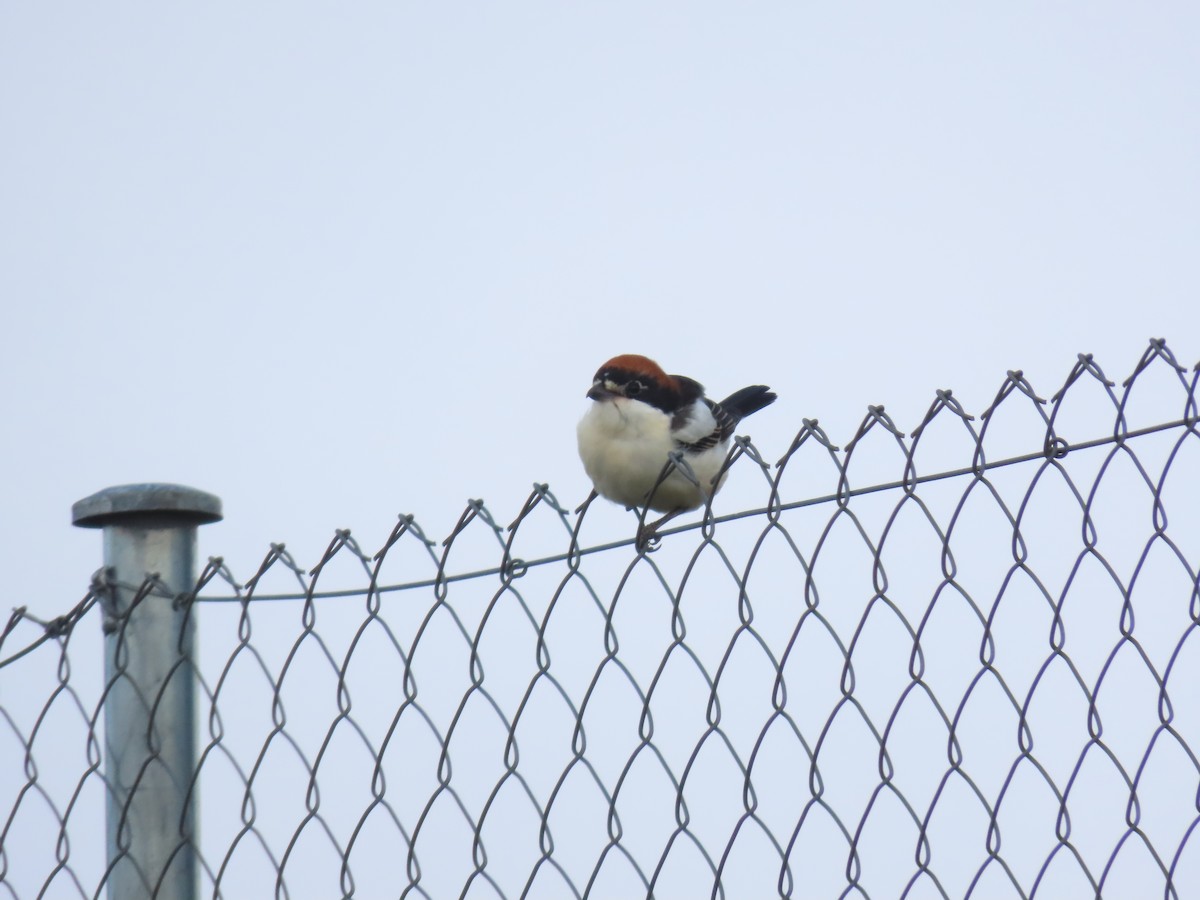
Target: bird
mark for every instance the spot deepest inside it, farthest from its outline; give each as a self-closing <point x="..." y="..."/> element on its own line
<point x="639" y="417"/>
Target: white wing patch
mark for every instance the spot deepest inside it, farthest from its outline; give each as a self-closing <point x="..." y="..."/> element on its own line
<point x="700" y="424"/>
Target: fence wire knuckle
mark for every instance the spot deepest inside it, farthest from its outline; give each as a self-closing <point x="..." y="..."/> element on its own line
<point x="975" y="676"/>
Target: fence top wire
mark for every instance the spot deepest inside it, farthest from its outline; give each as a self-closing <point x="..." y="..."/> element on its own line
<point x="1054" y="447"/>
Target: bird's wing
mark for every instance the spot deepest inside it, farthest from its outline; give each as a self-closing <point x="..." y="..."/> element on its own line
<point x="706" y="424"/>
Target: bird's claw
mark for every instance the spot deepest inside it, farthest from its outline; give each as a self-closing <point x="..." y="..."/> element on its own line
<point x="648" y="539"/>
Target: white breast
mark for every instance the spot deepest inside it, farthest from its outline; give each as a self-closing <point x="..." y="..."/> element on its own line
<point x="624" y="445"/>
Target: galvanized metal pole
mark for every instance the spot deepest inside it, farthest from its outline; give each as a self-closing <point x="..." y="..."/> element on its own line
<point x="149" y="708"/>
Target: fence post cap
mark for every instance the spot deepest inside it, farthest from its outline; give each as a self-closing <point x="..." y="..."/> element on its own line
<point x="176" y="503"/>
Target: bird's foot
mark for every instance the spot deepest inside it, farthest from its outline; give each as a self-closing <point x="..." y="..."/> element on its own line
<point x="648" y="537"/>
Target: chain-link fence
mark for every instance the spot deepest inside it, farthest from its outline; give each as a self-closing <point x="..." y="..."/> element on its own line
<point x="958" y="662"/>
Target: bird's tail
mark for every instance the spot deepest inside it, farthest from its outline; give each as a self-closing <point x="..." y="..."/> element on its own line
<point x="748" y="400"/>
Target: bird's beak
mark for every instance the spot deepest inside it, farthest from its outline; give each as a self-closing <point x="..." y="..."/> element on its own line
<point x="599" y="392"/>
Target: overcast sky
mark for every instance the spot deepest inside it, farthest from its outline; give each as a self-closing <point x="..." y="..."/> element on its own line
<point x="335" y="263"/>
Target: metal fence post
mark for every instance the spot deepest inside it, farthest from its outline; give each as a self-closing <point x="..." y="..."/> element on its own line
<point x="149" y="707"/>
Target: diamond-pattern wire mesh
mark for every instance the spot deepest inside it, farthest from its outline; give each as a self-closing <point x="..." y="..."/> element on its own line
<point x="963" y="663"/>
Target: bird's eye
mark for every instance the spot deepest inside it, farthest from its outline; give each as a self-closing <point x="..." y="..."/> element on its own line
<point x="633" y="388"/>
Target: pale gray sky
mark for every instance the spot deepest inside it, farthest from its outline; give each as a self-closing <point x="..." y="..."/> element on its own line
<point x="337" y="263"/>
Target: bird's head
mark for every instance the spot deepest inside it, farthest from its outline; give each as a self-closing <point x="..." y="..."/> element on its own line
<point x="629" y="375"/>
<point x="635" y="377"/>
